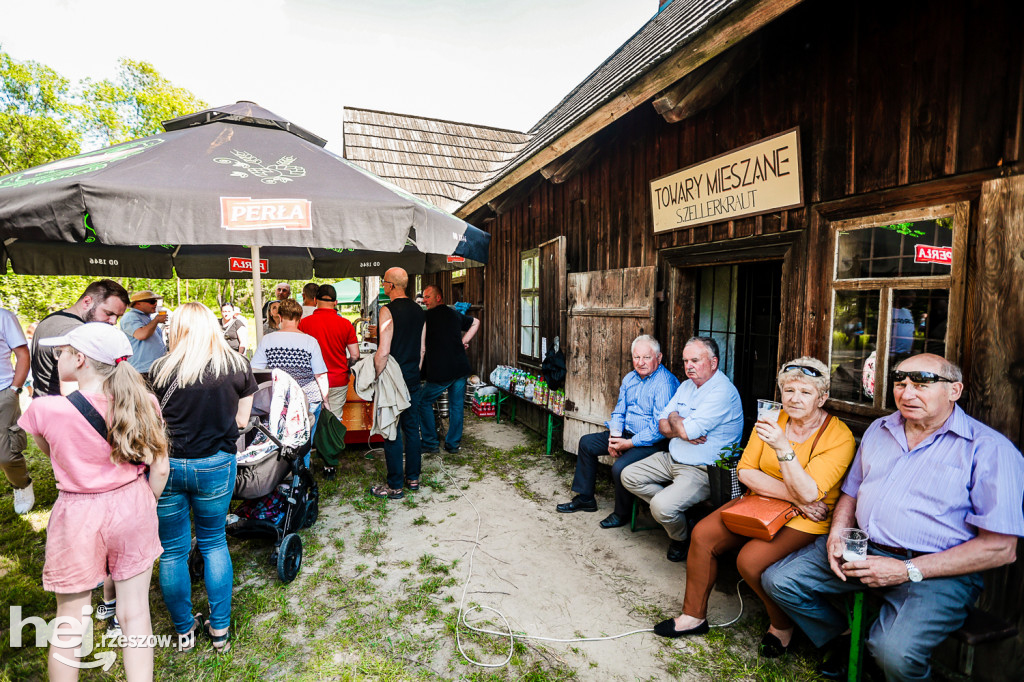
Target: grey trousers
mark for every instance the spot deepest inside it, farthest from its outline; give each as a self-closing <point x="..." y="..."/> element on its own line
<point x="914" y="618"/>
<point x="12" y="440"/>
<point x="670" y="488"/>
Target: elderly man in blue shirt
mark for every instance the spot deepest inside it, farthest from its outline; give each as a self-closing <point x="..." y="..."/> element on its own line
<point x="632" y="431"/>
<point x="704" y="416"/>
<point x="142" y="325"/>
<point x="939" y="495"/>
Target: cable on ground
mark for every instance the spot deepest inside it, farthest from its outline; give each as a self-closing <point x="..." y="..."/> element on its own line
<point x="461" y="620"/>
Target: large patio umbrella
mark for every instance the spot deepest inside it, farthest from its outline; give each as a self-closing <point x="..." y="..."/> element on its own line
<point x="222" y="189"/>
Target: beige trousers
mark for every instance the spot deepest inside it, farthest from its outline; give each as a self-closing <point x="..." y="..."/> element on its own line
<point x="669" y="487"/>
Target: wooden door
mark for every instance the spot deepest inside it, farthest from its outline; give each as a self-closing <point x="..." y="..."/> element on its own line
<point x="552" y="290"/>
<point x="607" y="310"/>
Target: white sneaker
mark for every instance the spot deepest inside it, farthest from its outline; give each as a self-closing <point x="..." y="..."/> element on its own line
<point x="24" y="499"/>
<point x="106" y="609"/>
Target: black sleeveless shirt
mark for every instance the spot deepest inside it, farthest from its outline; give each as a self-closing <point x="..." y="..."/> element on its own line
<point x="408" y="319"/>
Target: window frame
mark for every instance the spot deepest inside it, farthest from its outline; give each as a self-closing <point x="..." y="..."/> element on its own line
<point x="953" y="282"/>
<point x="533" y="293"/>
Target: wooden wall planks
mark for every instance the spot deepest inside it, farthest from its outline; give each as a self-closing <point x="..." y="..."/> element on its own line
<point x="872" y="116"/>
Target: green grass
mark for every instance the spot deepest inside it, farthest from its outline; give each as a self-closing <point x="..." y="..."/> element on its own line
<point x="356" y="612"/>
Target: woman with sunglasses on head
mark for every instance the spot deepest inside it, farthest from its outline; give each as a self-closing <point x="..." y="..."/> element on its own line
<point x="800" y="459"/>
<point x="101" y="439"/>
<point x="205" y="390"/>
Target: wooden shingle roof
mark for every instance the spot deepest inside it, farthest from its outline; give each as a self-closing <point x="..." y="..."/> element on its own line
<point x="442" y="162"/>
<point x="665" y="35"/>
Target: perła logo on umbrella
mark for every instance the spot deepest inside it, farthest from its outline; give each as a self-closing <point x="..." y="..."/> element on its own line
<point x="246" y="213"/>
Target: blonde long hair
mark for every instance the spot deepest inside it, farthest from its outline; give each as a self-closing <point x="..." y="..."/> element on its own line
<point x="135" y="429"/>
<point x="195" y="348"/>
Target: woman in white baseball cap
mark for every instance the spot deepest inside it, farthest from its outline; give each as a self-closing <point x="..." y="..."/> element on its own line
<point x="101" y="439"/>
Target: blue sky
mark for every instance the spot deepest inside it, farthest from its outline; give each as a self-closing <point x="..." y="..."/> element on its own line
<point x="503" y="63"/>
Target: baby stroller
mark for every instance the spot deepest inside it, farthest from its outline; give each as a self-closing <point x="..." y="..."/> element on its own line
<point x="279" y="494"/>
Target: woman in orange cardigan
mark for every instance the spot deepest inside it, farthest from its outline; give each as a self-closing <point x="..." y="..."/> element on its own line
<point x="777" y="462"/>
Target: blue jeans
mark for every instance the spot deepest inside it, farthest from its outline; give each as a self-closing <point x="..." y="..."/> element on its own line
<point x="409" y="433"/>
<point x="914" y="618"/>
<point x="314" y="409"/>
<point x="203" y="486"/>
<point x="456" y="403"/>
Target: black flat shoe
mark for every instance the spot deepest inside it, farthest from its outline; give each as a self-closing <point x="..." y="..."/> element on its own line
<point x="771" y="646"/>
<point x="613" y="521"/>
<point x="677" y="550"/>
<point x="577" y="504"/>
<point x="667" y="628"/>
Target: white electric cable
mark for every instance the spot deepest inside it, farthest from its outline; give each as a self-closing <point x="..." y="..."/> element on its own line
<point x="461" y="620"/>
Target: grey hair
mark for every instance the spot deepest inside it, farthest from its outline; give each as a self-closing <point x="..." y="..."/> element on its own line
<point x="951" y="370"/>
<point x="709" y="343"/>
<point x="821" y="383"/>
<point x="649" y="340"/>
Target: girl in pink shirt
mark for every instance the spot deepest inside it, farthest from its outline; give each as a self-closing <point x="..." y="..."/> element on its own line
<point x="104" y="520"/>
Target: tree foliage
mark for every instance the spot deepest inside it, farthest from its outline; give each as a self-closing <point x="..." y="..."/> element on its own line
<point x="44" y="117"/>
<point x="134" y="105"/>
<point x="37" y="115"/>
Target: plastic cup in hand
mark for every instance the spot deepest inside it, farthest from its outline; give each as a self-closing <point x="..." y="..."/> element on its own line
<point x="616" y="433"/>
<point x="855" y="544"/>
<point x="768" y="411"/>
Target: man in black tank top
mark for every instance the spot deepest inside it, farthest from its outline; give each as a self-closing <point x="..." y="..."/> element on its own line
<point x="401" y="337"/>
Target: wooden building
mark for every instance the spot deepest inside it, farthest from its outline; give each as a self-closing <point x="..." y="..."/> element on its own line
<point x="905" y="231"/>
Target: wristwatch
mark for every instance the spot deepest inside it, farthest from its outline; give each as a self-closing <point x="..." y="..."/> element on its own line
<point x="17" y="389"/>
<point x="913" y="572"/>
<point x="787" y="456"/>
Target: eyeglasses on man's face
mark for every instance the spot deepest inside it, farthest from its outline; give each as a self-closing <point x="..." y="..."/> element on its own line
<point x="919" y="377"/>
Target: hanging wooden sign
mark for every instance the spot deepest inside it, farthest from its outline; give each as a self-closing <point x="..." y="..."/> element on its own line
<point x="761" y="177"/>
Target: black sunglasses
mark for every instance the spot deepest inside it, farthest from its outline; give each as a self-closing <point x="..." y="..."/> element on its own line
<point x="919" y="377"/>
<point x="147" y="300"/>
<point x="809" y="371"/>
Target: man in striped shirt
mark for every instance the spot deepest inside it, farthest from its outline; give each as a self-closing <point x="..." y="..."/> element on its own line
<point x="632" y="431"/>
<point x="939" y="495"/>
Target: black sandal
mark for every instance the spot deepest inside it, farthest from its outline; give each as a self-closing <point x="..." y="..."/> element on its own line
<point x="187" y="640"/>
<point x="223" y="640"/>
<point x="412" y="483"/>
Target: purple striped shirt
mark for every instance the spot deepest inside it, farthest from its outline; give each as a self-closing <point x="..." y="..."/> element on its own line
<point x="963" y="477"/>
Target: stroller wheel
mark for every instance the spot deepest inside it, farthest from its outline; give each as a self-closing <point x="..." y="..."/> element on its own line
<point x="289" y="557"/>
<point x="312" y="511"/>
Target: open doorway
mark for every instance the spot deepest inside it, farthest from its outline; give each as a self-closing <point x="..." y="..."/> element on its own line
<point x="738" y="305"/>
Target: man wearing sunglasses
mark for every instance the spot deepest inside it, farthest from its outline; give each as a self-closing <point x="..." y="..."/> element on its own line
<point x="939" y="495"/>
<point x="141" y="324"/>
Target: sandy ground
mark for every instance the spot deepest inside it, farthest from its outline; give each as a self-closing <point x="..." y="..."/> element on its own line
<point x="550" y="574"/>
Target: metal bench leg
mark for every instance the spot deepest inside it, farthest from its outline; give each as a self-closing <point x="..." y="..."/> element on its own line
<point x="856" y="618"/>
<point x="966" y="659"/>
<point x="551" y="425"/>
<point x="636" y="512"/>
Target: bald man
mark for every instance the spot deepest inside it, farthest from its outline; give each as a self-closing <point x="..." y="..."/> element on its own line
<point x="402" y="336"/>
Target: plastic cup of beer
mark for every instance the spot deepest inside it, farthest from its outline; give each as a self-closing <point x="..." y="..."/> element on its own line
<point x="855" y="544"/>
<point x="615" y="433"/>
<point x="768" y="411"/>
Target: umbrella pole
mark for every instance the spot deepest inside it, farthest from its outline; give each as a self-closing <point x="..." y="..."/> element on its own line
<point x="257" y="294"/>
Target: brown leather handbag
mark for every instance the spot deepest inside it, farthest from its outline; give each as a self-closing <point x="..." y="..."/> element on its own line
<point x="761" y="517"/>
